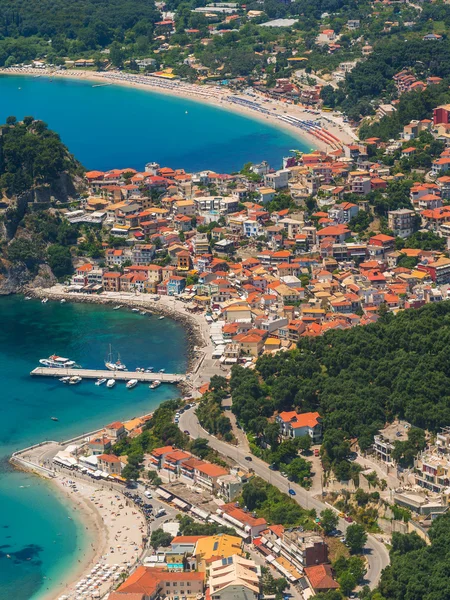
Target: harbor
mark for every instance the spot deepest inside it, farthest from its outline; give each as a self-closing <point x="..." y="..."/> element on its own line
<point x="101" y="374"/>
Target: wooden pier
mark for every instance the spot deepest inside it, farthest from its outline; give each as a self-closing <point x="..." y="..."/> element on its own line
<point x="117" y="375"/>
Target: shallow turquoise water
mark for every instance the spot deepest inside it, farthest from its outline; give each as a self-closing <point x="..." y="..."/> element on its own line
<point x="35" y="529"/>
<point x="118" y="127"/>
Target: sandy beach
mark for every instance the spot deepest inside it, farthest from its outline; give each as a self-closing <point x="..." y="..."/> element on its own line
<point x="115" y="530"/>
<point x="214" y="96"/>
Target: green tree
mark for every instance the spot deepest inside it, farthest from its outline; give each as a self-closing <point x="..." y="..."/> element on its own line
<point x="59" y="260"/>
<point x="355" y="538"/>
<point x="347" y="582"/>
<point x="160" y="539"/>
<point x="328" y="520"/>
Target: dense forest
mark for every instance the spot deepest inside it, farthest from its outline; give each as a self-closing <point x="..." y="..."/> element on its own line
<point x="31" y="154"/>
<point x="417" y="571"/>
<point x="94" y="23"/>
<point x="358" y="379"/>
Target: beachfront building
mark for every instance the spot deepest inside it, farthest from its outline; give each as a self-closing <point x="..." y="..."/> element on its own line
<point x="109" y="464"/>
<point x="150" y="583"/>
<point x="115" y="431"/>
<point x="213" y="547"/>
<point x="234" y="578"/>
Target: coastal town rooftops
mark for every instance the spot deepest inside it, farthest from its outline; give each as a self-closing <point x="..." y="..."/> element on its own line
<point x="109" y="458"/>
<point x="211" y="470"/>
<point x="187" y="539"/>
<point x="244" y="517"/>
<point x="163" y="450"/>
<point x="321" y="578"/>
<point x="216" y="546"/>
<point x="147" y="580"/>
<point x="297" y="420"/>
<point x="115" y="425"/>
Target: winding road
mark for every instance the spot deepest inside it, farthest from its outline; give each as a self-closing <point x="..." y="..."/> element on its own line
<point x="375" y="551"/>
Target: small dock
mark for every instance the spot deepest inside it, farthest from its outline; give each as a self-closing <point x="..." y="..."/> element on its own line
<point x="117" y="375"/>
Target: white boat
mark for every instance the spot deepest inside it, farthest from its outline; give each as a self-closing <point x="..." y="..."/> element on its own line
<point x="131" y="384"/>
<point x="57" y="362"/>
<point x="110" y="383"/>
<point x="100" y="381"/>
<point x="74" y="380"/>
<point x="114" y="366"/>
<point x="63" y="301"/>
<point x="161" y="317"/>
<point x="162" y="370"/>
<point x="155" y="384"/>
<point x="65" y="379"/>
<point x="118" y="307"/>
<point x="143" y="312"/>
<point x="44" y="300"/>
<point x="27" y="297"/>
<point x="134" y="310"/>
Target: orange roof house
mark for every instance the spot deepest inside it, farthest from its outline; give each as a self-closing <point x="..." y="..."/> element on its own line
<point x="294" y="424"/>
<point x="321" y="578"/>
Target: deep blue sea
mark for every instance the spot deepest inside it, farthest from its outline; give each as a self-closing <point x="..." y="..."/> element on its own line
<point x="118" y="127"/>
<point x="35" y="529"/>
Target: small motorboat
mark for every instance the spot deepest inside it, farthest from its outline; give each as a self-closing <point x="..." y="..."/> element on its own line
<point x="64" y="379"/>
<point x="131" y="384"/>
<point x="63" y="301"/>
<point x="136" y="310"/>
<point x="100" y="381"/>
<point x="74" y="380"/>
<point x="110" y="383"/>
<point x="44" y="300"/>
<point x="155" y="384"/>
<point x="162" y="370"/>
<point x="150" y="370"/>
<point x="118" y="307"/>
<point x="27" y="297"/>
<point x="54" y="418"/>
<point x="162" y="317"/>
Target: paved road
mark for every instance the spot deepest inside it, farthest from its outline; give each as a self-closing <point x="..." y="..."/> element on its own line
<point x="376" y="552"/>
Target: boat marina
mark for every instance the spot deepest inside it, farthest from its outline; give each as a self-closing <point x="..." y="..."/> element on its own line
<point x="116" y="375"/>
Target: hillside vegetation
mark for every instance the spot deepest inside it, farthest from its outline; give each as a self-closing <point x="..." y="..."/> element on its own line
<point x="358" y="379"/>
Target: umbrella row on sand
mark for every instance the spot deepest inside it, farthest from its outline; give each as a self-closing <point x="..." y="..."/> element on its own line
<point x="89" y="586"/>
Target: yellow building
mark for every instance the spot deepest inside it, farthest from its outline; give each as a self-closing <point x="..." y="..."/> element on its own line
<point x="214" y="547"/>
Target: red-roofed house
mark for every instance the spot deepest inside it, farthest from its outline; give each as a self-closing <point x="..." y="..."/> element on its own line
<point x="155" y="582"/>
<point x="294" y="424"/>
<point x="110" y="464"/>
<point x="320" y="578"/>
<point x="244" y="520"/>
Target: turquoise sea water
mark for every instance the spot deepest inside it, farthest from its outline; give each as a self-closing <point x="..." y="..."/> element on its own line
<point x="35" y="529"/>
<point x="118" y="127"/>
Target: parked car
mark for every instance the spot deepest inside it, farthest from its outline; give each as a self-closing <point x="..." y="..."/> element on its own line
<point x="249" y="458"/>
<point x="292" y="492"/>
